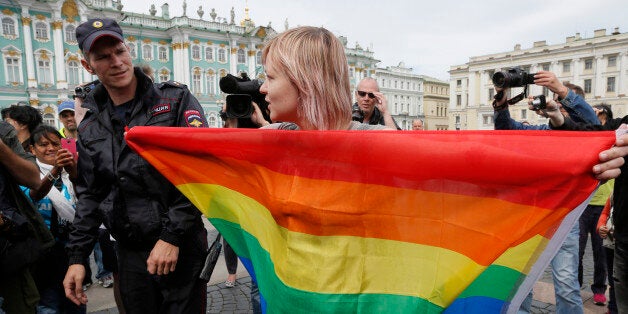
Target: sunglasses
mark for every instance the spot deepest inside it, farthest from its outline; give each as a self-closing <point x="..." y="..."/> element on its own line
<point x="362" y="94"/>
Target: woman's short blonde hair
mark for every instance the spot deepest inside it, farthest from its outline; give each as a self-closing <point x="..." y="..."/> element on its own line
<point x="314" y="61"/>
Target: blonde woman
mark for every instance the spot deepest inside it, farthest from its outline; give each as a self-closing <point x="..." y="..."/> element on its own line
<point x="307" y="82"/>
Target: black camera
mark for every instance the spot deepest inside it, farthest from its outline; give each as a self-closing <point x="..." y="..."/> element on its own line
<point x="82" y="91"/>
<point x="513" y="77"/>
<point x="240" y="106"/>
<point x="538" y="102"/>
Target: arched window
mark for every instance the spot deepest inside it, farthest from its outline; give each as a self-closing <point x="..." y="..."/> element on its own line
<point x="258" y="57"/>
<point x="13" y="69"/>
<point x="70" y="33"/>
<point x="241" y="56"/>
<point x="209" y="53"/>
<point x="132" y="50"/>
<point x="164" y="75"/>
<point x="196" y="52"/>
<point x="196" y="81"/>
<point x="45" y="71"/>
<point x="163" y="53"/>
<point x="41" y="30"/>
<point x="222" y="55"/>
<point x="211" y="82"/>
<point x="73" y="72"/>
<point x="147" y="52"/>
<point x="8" y="26"/>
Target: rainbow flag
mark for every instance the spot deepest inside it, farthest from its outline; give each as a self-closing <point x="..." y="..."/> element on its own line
<point x="384" y="221"/>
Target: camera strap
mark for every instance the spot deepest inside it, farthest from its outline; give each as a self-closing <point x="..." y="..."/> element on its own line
<point x="519" y="97"/>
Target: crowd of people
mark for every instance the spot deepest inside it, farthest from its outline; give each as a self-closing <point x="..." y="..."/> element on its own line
<point x="68" y="204"/>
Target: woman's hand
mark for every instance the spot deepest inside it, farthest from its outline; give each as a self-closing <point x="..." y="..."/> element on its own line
<point x="257" y="117"/>
<point x="64" y="159"/>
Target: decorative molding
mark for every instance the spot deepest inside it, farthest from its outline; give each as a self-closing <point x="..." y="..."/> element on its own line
<point x="70" y="10"/>
<point x="147" y="40"/>
<point x="242" y="46"/>
<point x="26" y="20"/>
<point x="196" y="41"/>
<point x="211" y="72"/>
<point x="176" y="46"/>
<point x="251" y="53"/>
<point x="131" y="38"/>
<point x="261" y="33"/>
<point x="44" y="55"/>
<point x="234" y="51"/>
<point x="8" y="12"/>
<point x="57" y="25"/>
<point x="186" y="45"/>
<point x="222" y="45"/>
<point x="40" y="17"/>
<point x="209" y="43"/>
<point x="163" y="42"/>
<point x="33" y="101"/>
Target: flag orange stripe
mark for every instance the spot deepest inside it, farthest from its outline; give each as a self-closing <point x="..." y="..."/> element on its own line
<point x="475" y="238"/>
<point x="334" y="158"/>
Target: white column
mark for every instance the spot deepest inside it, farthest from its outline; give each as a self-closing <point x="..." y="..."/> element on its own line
<point x="178" y="63"/>
<point x="483" y="92"/>
<point x="233" y="60"/>
<point x="554" y="67"/>
<point x="28" y="49"/>
<point x="622" y="82"/>
<point x="599" y="85"/>
<point x="472" y="101"/>
<point x="57" y="37"/>
<point x="576" y="65"/>
<point x="251" y="61"/>
<point x="187" y="71"/>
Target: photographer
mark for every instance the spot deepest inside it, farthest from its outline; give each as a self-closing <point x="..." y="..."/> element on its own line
<point x="569" y="96"/>
<point x="620" y="191"/>
<point x="565" y="263"/>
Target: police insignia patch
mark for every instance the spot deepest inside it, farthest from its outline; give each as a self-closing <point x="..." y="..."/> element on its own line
<point x="193" y="118"/>
<point x="97" y="24"/>
<point x="160" y="108"/>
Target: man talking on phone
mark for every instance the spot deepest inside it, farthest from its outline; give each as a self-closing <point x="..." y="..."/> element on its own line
<point x="371" y="106"/>
<point x="161" y="239"/>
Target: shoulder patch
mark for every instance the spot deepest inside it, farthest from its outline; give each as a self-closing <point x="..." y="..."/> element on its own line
<point x="193" y="118"/>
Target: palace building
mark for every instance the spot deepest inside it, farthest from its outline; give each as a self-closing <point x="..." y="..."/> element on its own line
<point x="598" y="64"/>
<point x="41" y="61"/>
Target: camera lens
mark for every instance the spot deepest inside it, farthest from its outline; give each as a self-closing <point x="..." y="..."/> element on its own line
<point x="499" y="79"/>
<point x="239" y="109"/>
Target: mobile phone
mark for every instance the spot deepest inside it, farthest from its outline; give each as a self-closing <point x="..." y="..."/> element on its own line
<point x="70" y="145"/>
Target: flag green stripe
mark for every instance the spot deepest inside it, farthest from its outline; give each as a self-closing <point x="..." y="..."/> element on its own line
<point x="495" y="282"/>
<point x="284" y="299"/>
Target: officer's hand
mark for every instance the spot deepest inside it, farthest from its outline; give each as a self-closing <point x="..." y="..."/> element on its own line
<point x="163" y="258"/>
<point x="73" y="284"/>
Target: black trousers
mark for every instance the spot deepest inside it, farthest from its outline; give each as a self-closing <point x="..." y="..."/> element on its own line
<point x="180" y="291"/>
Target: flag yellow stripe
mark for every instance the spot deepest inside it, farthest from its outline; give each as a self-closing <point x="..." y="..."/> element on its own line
<point x="349" y="264"/>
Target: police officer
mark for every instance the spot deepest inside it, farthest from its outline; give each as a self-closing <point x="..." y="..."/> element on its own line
<point x="161" y="239"/>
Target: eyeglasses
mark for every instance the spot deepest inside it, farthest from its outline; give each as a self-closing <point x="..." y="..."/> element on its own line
<point x="362" y="94"/>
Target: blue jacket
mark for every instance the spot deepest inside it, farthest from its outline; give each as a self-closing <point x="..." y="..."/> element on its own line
<point x="579" y="111"/>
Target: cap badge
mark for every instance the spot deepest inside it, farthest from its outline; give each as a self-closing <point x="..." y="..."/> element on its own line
<point x="97" y="24"/>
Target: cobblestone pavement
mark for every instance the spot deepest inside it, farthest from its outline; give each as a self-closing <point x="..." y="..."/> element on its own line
<point x="221" y="299"/>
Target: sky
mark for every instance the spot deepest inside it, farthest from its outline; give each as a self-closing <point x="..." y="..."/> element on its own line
<point x="427" y="36"/>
